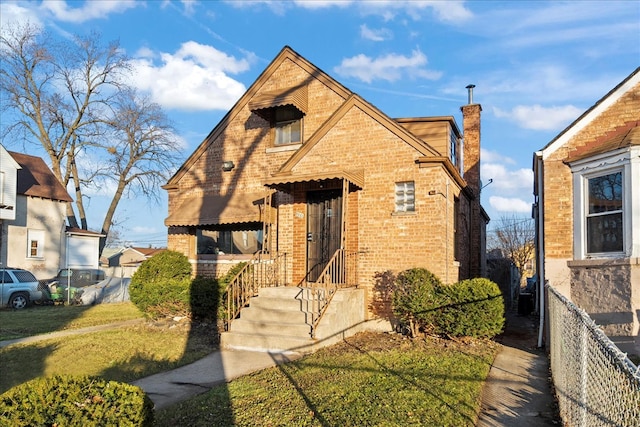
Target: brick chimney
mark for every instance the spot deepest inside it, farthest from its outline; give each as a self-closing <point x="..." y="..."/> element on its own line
<point x="471" y="150"/>
<point x="471" y="174"/>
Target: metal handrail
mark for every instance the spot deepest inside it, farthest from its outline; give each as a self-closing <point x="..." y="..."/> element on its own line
<point x="264" y="269"/>
<point x="340" y="272"/>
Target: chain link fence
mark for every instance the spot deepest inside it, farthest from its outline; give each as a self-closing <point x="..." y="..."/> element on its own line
<point x="596" y="384"/>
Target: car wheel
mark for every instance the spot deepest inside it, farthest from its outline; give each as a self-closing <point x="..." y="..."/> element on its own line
<point x="19" y="300"/>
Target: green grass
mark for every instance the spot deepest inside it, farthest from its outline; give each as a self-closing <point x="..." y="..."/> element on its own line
<point x="370" y="380"/>
<point x="41" y="320"/>
<point x="122" y="354"/>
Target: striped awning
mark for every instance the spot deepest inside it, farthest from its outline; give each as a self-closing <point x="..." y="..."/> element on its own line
<point x="284" y="181"/>
<point x="297" y="97"/>
<point x="237" y="207"/>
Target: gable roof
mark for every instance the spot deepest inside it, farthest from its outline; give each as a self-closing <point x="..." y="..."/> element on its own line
<point x="588" y="116"/>
<point x="285" y="54"/>
<point x="297" y="97"/>
<point x="35" y="179"/>
<point x="356" y="101"/>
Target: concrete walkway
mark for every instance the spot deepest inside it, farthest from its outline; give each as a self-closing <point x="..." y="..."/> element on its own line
<point x="167" y="388"/>
<point x="518" y="390"/>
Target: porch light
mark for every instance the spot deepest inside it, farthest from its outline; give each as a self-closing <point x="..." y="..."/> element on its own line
<point x="227" y="165"/>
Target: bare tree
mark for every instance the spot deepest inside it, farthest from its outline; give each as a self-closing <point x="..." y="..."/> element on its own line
<point x="515" y="238"/>
<point x="69" y="97"/>
<point x="141" y="152"/>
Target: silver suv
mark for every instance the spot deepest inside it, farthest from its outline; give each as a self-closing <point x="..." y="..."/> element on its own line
<point x="18" y="288"/>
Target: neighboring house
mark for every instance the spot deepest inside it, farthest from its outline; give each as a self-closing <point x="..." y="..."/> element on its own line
<point x="34" y="237"/>
<point x="131" y="256"/>
<point x="305" y="170"/>
<point x="587" y="188"/>
<point x="33" y="231"/>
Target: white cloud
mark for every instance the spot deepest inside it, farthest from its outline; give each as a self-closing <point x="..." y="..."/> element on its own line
<point x="375" y="35"/>
<point x="537" y="117"/>
<point x="89" y="10"/>
<point x="13" y="13"/>
<point x="193" y="78"/>
<point x="390" y="67"/>
<point x="505" y="204"/>
<point x="489" y="156"/>
<point x="505" y="180"/>
<point x="446" y="11"/>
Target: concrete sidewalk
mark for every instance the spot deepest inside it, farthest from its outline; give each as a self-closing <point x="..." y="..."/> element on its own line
<point x="174" y="386"/>
<point x="518" y="390"/>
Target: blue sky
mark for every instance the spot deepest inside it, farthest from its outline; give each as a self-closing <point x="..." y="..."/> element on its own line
<point x="537" y="65"/>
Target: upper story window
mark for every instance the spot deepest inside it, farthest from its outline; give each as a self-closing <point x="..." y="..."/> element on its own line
<point x="453" y="148"/>
<point x="604" y="227"/>
<point x="287" y="124"/>
<point x="605" y="209"/>
<point x="35" y="243"/>
<point x="405" y="196"/>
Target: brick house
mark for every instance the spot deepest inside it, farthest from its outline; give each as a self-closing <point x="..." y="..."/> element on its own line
<point x="587" y="188"/>
<point x="331" y="188"/>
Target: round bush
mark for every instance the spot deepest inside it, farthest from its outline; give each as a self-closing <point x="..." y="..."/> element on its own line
<point x="65" y="400"/>
<point x="473" y="308"/>
<point x="414" y="299"/>
<point x="161" y="285"/>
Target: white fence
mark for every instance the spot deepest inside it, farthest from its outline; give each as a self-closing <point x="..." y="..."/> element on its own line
<point x="596" y="384"/>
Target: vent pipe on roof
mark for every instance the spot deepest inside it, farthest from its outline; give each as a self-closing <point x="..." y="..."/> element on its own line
<point x="470" y="89"/>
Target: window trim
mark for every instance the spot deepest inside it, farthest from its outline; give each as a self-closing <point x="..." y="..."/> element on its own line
<point x="626" y="161"/>
<point x="38" y="237"/>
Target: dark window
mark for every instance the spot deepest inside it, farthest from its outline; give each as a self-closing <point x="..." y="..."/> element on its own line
<point x="287" y="125"/>
<point x="604" y="214"/>
<point x="229" y="242"/>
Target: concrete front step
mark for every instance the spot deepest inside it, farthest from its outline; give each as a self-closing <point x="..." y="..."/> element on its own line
<point x="274" y="321"/>
<point x="270" y="314"/>
<point x="269" y="343"/>
<point x="244" y="326"/>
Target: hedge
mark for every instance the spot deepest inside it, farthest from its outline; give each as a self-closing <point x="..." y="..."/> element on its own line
<point x="65" y="400"/>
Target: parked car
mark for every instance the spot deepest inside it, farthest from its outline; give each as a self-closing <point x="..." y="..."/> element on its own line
<point x="18" y="288"/>
<point x="58" y="289"/>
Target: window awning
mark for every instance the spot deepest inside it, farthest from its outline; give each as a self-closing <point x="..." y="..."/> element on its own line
<point x="297" y="97"/>
<point x="219" y="209"/>
<point x="286" y="180"/>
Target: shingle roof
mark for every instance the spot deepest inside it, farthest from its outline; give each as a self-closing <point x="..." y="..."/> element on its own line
<point x="618" y="138"/>
<point x="37" y="180"/>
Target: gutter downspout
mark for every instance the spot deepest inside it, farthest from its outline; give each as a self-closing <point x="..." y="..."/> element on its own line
<point x="540" y="244"/>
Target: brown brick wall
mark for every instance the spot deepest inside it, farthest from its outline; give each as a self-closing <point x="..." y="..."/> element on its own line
<point x="558" y="184"/>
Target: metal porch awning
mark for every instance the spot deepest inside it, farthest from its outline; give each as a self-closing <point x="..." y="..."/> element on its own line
<point x="237" y="207"/>
<point x="285" y="181"/>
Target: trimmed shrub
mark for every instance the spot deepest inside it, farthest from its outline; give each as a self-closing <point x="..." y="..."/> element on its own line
<point x="65" y="400"/>
<point x="473" y="308"/>
<point x="414" y="299"/>
<point x="161" y="285"/>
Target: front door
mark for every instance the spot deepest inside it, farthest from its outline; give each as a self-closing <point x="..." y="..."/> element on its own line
<point x="324" y="229"/>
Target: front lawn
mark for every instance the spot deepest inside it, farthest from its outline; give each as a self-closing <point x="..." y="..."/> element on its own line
<point x="121" y="354"/>
<point x="37" y="320"/>
<point x="371" y="379"/>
